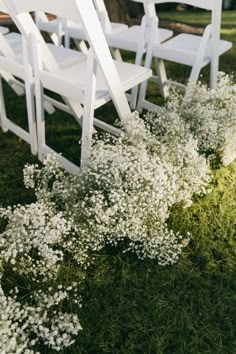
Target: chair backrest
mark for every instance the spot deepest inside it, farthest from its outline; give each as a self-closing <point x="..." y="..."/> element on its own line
<point x="78" y="11"/>
<point x="5" y="48"/>
<point x="27" y="27"/>
<point x="101" y="10"/>
<point x="215" y="6"/>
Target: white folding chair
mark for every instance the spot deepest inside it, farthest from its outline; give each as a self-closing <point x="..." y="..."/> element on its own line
<point x="85" y="84"/>
<point x="15" y="65"/>
<point x="132" y="38"/>
<point x="188" y="49"/>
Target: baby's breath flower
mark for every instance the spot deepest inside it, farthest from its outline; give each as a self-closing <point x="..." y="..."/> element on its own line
<point x="22" y="326"/>
<point x="211" y="115"/>
<point x="126" y="194"/>
<point x="130" y="186"/>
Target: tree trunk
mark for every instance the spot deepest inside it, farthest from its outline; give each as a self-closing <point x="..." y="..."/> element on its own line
<point x="118" y="10"/>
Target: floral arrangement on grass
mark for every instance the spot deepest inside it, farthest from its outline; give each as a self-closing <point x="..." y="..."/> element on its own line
<point x="124" y="197"/>
<point x="129" y="188"/>
<point x="211" y="115"/>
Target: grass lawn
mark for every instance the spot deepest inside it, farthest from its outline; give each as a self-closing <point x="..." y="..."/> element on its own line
<point x="138" y="307"/>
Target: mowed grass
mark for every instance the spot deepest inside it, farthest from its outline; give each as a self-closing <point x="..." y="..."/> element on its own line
<point x="138" y="307"/>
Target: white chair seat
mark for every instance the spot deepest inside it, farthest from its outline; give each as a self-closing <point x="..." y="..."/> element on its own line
<point x="184" y="47"/>
<point x="75" y="31"/>
<point x="75" y="75"/>
<point x="15" y="41"/>
<point x="4" y="30"/>
<point x="63" y="56"/>
<point x="129" y="39"/>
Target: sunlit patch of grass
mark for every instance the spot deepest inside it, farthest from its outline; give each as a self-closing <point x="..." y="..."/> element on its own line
<point x="229" y="31"/>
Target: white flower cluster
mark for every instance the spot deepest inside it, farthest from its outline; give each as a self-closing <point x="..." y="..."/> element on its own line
<point x="129" y="188"/>
<point x="125" y="195"/>
<point x="177" y="145"/>
<point x="23" y="326"/>
<point x="32" y="240"/>
<point x="136" y="179"/>
<point x="211" y="116"/>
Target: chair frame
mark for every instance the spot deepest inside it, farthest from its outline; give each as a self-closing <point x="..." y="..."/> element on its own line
<point x="9" y="68"/>
<point x="11" y="72"/>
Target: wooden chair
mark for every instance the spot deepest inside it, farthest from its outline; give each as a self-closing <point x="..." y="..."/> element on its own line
<point x="86" y="84"/>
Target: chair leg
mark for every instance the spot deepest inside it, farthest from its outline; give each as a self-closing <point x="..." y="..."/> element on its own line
<point x="67" y="39"/>
<point x="142" y="95"/>
<point x="31" y="115"/>
<point x="116" y="54"/>
<point x="195" y="72"/>
<point x="198" y="63"/>
<point x="58" y="42"/>
<point x="13" y="83"/>
<point x="40" y="115"/>
<point x="2" y="109"/>
<point x="56" y="39"/>
<point x="81" y="46"/>
<point x="161" y="73"/>
<point x="89" y="104"/>
<point x="49" y="107"/>
<point x="214" y="71"/>
<point x="134" y="91"/>
<point x="143" y="86"/>
<point x="29" y="91"/>
<point x="196" y="69"/>
<point x="86" y="141"/>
